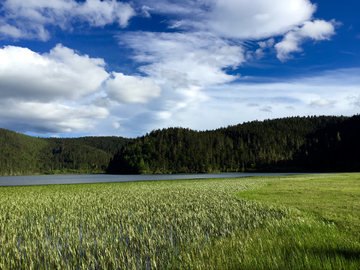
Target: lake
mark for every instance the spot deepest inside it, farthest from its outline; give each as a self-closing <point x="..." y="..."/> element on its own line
<point x="31" y="180"/>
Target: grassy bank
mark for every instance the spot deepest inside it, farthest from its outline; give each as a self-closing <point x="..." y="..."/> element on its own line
<point x="192" y="224"/>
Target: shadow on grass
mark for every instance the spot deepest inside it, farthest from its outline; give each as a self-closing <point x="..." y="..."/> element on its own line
<point x="337" y="252"/>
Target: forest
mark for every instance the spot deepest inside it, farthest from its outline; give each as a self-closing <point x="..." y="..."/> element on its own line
<point x="312" y="143"/>
<point x="24" y="155"/>
<point x="323" y="143"/>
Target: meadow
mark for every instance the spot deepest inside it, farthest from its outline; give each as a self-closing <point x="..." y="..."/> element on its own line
<point x="297" y="222"/>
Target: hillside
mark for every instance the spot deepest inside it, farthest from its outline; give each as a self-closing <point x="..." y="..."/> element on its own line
<point x="325" y="143"/>
<point x="21" y="154"/>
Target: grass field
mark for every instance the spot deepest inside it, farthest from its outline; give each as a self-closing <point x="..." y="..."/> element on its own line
<point x="297" y="222"/>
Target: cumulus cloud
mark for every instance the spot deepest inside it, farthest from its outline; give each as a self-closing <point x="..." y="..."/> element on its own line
<point x="61" y="73"/>
<point x="62" y="91"/>
<point x="131" y="89"/>
<point x="258" y="19"/>
<point x="29" y="19"/>
<point x="49" y="117"/>
<point x="316" y="30"/>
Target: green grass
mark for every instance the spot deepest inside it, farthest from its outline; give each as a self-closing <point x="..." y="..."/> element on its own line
<point x="187" y="224"/>
<point x="323" y="230"/>
<point x="330" y="197"/>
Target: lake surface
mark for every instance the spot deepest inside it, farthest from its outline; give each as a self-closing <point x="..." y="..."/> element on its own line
<point x="32" y="180"/>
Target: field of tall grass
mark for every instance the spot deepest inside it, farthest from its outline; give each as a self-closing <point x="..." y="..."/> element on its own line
<point x="186" y="224"/>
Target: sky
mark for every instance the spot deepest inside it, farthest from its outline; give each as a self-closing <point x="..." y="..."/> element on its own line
<point x="124" y="68"/>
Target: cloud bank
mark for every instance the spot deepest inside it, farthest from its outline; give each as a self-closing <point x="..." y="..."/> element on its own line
<point x="62" y="91"/>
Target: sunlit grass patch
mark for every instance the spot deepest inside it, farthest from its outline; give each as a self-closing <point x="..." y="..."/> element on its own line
<point x="187" y="224"/>
<point x="331" y="197"/>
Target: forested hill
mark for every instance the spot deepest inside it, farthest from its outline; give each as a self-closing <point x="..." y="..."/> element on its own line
<point x="324" y="143"/>
<point x="290" y="144"/>
<point x="21" y="154"/>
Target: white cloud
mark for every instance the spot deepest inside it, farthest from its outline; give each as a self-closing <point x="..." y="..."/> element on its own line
<point x="131" y="89"/>
<point x="12" y="31"/>
<point x="100" y="13"/>
<point x="316" y="30"/>
<point x="250" y="20"/>
<point x="267" y="43"/>
<point x="61" y="73"/>
<point x="175" y="25"/>
<point x="49" y="117"/>
<point x="29" y="19"/>
<point x="258" y="19"/>
<point x="145" y="10"/>
<point x="116" y="125"/>
<point x="263" y="46"/>
<point x="239" y="19"/>
<point x="62" y="91"/>
<point x="197" y="57"/>
<point x="323" y="103"/>
<point x="182" y="65"/>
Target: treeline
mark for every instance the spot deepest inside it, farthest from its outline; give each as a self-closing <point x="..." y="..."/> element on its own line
<point x="324" y="143"/>
<point x="21" y="154"/>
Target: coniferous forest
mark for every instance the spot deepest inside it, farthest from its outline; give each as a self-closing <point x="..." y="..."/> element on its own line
<point x="316" y="143"/>
<point x="21" y="154"/>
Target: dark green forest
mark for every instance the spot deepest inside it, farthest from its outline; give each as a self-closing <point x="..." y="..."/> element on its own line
<point x="324" y="143"/>
<point x="21" y="154"/>
<point x="314" y="143"/>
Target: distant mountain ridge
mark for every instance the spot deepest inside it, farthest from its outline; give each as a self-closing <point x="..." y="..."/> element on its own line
<point x="316" y="143"/>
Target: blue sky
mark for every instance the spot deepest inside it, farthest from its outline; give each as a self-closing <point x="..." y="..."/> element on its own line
<point x="97" y="68"/>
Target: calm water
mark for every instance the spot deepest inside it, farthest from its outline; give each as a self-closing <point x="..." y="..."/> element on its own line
<point x="106" y="178"/>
